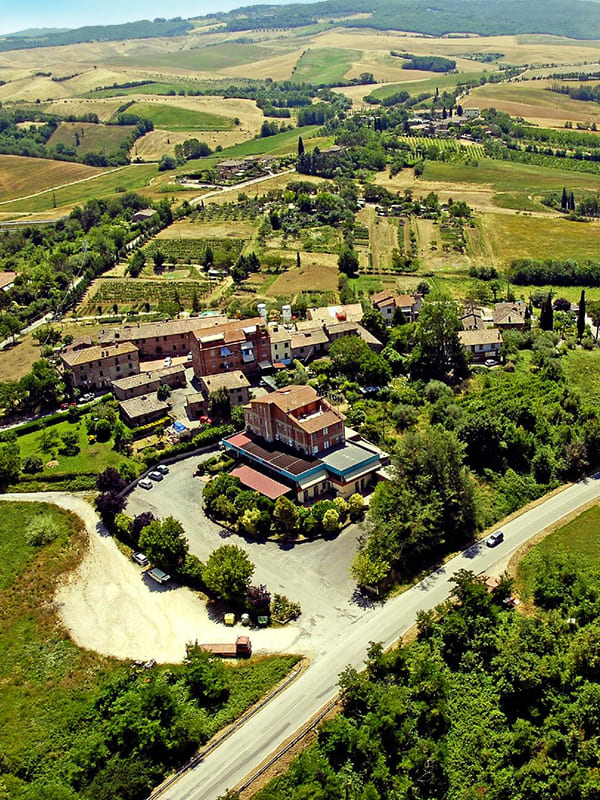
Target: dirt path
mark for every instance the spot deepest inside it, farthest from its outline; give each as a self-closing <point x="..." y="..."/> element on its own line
<point x="107" y="604"/>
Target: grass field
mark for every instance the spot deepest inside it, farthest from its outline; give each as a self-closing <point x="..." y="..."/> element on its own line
<point x="514" y="236"/>
<point x="105" y="109"/>
<point x="434" y="81"/>
<point x="129" y="178"/>
<point x="207" y="59"/>
<point x="577" y="539"/>
<point x="208" y="230"/>
<point x="86" y="137"/>
<point x="324" y="65"/>
<point x="181" y="119"/>
<point x="534" y="102"/>
<point x="318" y="273"/>
<point x="582" y="367"/>
<point x="21" y="176"/>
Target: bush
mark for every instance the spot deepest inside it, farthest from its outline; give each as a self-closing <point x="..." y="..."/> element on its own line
<point x="103" y="430"/>
<point x="283" y="609"/>
<point x="32" y="465"/>
<point x="41" y="530"/>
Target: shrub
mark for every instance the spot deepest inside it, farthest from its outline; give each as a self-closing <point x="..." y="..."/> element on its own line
<point x="32" y="465"/>
<point x="41" y="530"/>
<point x="102" y="430"/>
<point x="283" y="609"/>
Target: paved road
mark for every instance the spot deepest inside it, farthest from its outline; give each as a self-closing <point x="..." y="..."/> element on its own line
<point x="251" y="182"/>
<point x="265" y="732"/>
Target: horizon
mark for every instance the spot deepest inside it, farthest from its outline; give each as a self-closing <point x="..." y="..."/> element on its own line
<point x="62" y="13"/>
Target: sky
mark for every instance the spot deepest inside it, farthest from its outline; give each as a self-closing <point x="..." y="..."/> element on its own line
<point x="23" y="14"/>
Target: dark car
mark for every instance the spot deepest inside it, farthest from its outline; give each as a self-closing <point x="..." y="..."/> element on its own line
<point x="494" y="539"/>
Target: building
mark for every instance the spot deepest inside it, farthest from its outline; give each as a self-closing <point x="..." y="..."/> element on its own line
<point x="482" y="344"/>
<point x="158" y="339"/>
<point x="387" y="303"/>
<point x="234" y="383"/>
<point x="351" y="312"/>
<point x="281" y="344"/>
<point x="142" y="410"/>
<point x="337" y="330"/>
<point x="295" y="443"/>
<point x="472" y="320"/>
<point x="309" y="343"/>
<point x="97" y="367"/>
<point x="144" y="214"/>
<point x="7" y="280"/>
<point x="148" y="382"/>
<point x="234" y="345"/>
<point x="510" y="316"/>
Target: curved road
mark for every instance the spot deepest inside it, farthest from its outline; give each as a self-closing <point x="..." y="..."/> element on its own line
<point x="264" y="733"/>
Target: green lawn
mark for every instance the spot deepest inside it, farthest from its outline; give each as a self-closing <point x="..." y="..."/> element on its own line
<point x="106" y="184"/>
<point x="437" y="81"/>
<point x="174" y="118"/>
<point x="582" y="367"/>
<point x="578" y="539"/>
<point x="91" y="459"/>
<point x="324" y="65"/>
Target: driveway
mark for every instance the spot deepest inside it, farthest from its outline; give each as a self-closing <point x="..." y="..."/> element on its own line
<point x="315" y="574"/>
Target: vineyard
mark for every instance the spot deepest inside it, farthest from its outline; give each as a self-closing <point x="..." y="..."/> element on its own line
<point x="469" y="149"/>
<point x="193" y="251"/>
<point x="137" y="295"/>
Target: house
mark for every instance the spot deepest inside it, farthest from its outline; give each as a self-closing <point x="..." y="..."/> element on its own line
<point x="281" y="345"/>
<point x="98" y="366"/>
<point x="233" y="168"/>
<point x="510" y="316"/>
<point x="472" y="320"/>
<point x="80" y="343"/>
<point x="309" y="343"/>
<point x="142" y="410"/>
<point x="387" y="303"/>
<point x="234" y="345"/>
<point x="7" y="280"/>
<point x="470" y="113"/>
<point x="158" y="339"/>
<point x="148" y="382"/>
<point x="296" y="440"/>
<point x="144" y="214"/>
<point x="351" y="312"/>
<point x="234" y="383"/>
<point x="337" y="330"/>
<point x="481" y="344"/>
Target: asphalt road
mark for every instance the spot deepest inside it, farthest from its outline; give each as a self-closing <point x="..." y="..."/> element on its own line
<point x="258" y="738"/>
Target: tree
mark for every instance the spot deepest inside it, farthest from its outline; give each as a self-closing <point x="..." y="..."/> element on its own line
<point x="352" y="357"/>
<point x="564" y="200"/>
<point x="331" y="521"/>
<point x="205" y="676"/>
<point x="70" y="443"/>
<point x="374" y="322"/>
<point x="581" y="316"/>
<point x="164" y="543"/>
<point x="137" y="263"/>
<point x="110" y="481"/>
<point x="285" y="514"/>
<point x="10" y="463"/>
<point x="139" y="523"/>
<point x="356" y="506"/>
<point x="547" y="314"/>
<point x="166" y="162"/>
<point x="159" y="258"/>
<point x="227" y="572"/>
<point x="298" y="262"/>
<point x="108" y="505"/>
<point x="219" y="405"/>
<point x="348" y="261"/>
<point x="438" y="353"/>
<point x="259" y="599"/>
<point x="368" y="570"/>
<point x="300" y="147"/>
<point x="163" y="392"/>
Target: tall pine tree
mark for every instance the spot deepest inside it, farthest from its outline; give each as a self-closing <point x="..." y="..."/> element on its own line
<point x="581" y="316"/>
<point x="564" y="200"/>
<point x="300" y="146"/>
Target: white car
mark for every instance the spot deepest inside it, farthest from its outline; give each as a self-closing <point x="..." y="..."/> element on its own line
<point x="162" y="468"/>
<point x="189" y="357"/>
<point x="141" y="559"/>
<point x="167" y="362"/>
<point x="145" y="483"/>
<point x="155" y="476"/>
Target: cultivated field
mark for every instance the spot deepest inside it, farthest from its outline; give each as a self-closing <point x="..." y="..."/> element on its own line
<point x="105" y="109"/>
<point x="208" y="230"/>
<point x="318" y="273"/>
<point x="86" y="137"/>
<point x="173" y="118"/>
<point x="322" y="65"/>
<point x="20" y="176"/>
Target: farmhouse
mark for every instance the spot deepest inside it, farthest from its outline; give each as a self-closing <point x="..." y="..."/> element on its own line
<point x="481" y="344"/>
<point x="387" y="303"/>
<point x="97" y="367"/>
<point x="144" y="214"/>
<point x="295" y="439"/>
<point x="510" y="316"/>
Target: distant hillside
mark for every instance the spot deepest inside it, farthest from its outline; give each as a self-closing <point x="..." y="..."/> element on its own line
<point x="142" y="29"/>
<point x="577" y="19"/>
<point x="35" y="32"/>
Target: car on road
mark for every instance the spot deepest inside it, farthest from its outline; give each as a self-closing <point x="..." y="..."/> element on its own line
<point x="158" y="575"/>
<point x="167" y="362"/>
<point x="494" y="539"/>
<point x="162" y="468"/>
<point x="490" y="362"/>
<point x="86" y="398"/>
<point x="145" y="483"/>
<point x="155" y="475"/>
<point x="140" y="559"/>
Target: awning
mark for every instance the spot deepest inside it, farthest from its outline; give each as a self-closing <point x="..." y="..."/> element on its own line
<point x="259" y="482"/>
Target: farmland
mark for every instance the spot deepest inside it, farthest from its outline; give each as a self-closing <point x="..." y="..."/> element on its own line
<point x="318" y="273"/>
<point x="85" y="137"/>
<point x="168" y="296"/>
<point x="193" y="251"/>
<point x="180" y="119"/>
<point x="20" y="176"/>
<point x="324" y="65"/>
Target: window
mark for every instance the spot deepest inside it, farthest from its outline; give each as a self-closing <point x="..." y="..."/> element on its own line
<point x="101" y="373"/>
<point x="118" y="368"/>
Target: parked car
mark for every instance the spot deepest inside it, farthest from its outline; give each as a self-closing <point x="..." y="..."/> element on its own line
<point x="86" y="398"/>
<point x="141" y="559"/>
<point x="158" y="575"/>
<point x="189" y="357"/>
<point x="155" y="476"/>
<point x="494" y="538"/>
<point x="162" y="468"/>
<point x="490" y="362"/>
<point x="167" y="362"/>
<point x="145" y="483"/>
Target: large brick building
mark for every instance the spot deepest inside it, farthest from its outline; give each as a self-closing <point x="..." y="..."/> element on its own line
<point x="157" y="339"/>
<point x="238" y="344"/>
<point x="97" y="367"/>
<point x="298" y="417"/>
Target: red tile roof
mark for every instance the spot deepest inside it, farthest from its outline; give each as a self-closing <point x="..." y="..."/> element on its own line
<point x="260" y="483"/>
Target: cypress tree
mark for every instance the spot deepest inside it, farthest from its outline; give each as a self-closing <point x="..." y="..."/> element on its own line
<point x="564" y="199"/>
<point x="298" y="260"/>
<point x="581" y="316"/>
<point x="300" y="146"/>
<point x="572" y="202"/>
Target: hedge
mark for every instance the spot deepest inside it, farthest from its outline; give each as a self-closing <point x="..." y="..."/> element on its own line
<point x="202" y="439"/>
